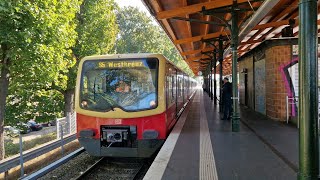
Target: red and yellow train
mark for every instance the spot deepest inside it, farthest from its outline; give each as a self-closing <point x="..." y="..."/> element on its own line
<point x="127" y="104"/>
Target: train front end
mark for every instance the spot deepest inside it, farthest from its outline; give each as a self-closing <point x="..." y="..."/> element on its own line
<point x="120" y="105"/>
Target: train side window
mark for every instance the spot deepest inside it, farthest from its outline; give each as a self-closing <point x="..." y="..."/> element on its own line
<point x="172" y="89"/>
<point x="180" y="87"/>
<point x="185" y="86"/>
<point x="174" y="85"/>
<point x="169" y="88"/>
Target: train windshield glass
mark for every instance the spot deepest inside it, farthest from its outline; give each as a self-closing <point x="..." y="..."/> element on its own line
<point x="127" y="84"/>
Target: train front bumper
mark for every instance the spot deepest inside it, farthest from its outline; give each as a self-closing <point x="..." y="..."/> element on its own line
<point x="144" y="148"/>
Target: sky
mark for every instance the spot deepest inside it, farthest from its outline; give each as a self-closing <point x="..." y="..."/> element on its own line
<point x="138" y="4"/>
<point x="134" y="3"/>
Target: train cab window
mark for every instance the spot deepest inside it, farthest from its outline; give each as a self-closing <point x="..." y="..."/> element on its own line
<point x="130" y="85"/>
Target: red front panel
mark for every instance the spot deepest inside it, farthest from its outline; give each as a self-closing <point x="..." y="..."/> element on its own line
<point x="155" y="122"/>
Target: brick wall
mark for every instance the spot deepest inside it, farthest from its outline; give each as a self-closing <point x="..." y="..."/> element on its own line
<point x="275" y="86"/>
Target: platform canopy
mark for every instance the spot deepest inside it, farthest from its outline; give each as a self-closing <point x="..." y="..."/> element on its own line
<point x="190" y="28"/>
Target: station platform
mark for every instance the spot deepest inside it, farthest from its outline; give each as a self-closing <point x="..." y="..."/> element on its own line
<point x="201" y="146"/>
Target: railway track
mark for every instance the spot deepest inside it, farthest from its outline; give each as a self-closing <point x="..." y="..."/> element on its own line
<point x="120" y="169"/>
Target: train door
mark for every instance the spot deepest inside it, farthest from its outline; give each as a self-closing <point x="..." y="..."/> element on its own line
<point x="169" y="83"/>
<point x="182" y="89"/>
<point x="188" y="87"/>
<point x="179" y="90"/>
<point x="170" y="94"/>
<point x="185" y="88"/>
<point x="176" y="89"/>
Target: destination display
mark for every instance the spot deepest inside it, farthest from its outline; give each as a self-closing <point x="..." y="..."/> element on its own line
<point x="121" y="64"/>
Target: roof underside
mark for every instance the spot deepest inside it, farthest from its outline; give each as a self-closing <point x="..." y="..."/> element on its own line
<point x="187" y="26"/>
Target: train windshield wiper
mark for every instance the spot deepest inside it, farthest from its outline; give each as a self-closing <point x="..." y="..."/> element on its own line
<point x="110" y="102"/>
<point x="111" y="106"/>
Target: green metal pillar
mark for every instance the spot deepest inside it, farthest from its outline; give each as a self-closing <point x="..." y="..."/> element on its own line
<point x="220" y="79"/>
<point x="209" y="84"/>
<point x="205" y="82"/>
<point x="234" y="44"/>
<point x="308" y="93"/>
<point x="214" y="76"/>
<point x="208" y="76"/>
<point x="211" y="93"/>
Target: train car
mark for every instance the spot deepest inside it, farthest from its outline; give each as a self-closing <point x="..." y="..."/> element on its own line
<point x="127" y="104"/>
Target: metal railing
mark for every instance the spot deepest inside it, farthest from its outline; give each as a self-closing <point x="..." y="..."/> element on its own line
<point x="7" y="164"/>
<point x="54" y="165"/>
<point x="66" y="124"/>
<point x="289" y="102"/>
<point x="294" y="101"/>
<point x="65" y="128"/>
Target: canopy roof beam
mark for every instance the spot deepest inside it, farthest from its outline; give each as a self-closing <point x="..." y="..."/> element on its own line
<point x="197" y="8"/>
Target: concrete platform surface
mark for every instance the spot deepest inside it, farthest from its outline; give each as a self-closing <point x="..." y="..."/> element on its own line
<point x="201" y="146"/>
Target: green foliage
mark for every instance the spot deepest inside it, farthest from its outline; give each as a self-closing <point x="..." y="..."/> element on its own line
<point x="138" y="34"/>
<point x="41" y="42"/>
<point x="12" y="149"/>
<point x="38" y="36"/>
<point x="45" y="105"/>
<point x="46" y="39"/>
<point x="96" y="29"/>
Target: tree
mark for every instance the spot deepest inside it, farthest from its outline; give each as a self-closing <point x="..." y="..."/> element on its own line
<point x="35" y="38"/>
<point x="41" y="105"/>
<point x="96" y="29"/>
<point x="138" y="34"/>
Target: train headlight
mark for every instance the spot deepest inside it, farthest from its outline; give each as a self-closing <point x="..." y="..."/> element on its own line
<point x="152" y="104"/>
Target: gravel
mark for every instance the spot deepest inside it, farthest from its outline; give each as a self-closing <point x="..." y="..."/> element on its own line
<point x="72" y="168"/>
<point x="115" y="170"/>
<point x="111" y="169"/>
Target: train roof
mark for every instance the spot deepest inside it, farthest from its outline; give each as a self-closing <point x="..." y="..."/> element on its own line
<point x="129" y="56"/>
<point x="122" y="56"/>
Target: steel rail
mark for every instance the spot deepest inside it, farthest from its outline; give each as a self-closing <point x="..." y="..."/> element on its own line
<point x="6" y="165"/>
<point x="53" y="165"/>
<point x="95" y="169"/>
<point x="89" y="170"/>
<point x="136" y="176"/>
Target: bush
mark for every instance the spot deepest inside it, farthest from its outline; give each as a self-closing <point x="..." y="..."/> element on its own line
<point x="12" y="149"/>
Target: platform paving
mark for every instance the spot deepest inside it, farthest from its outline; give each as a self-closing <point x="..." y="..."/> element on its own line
<point x="263" y="149"/>
<point x="243" y="155"/>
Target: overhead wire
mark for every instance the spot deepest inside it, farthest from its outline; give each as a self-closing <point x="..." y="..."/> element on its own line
<point x="251" y="5"/>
